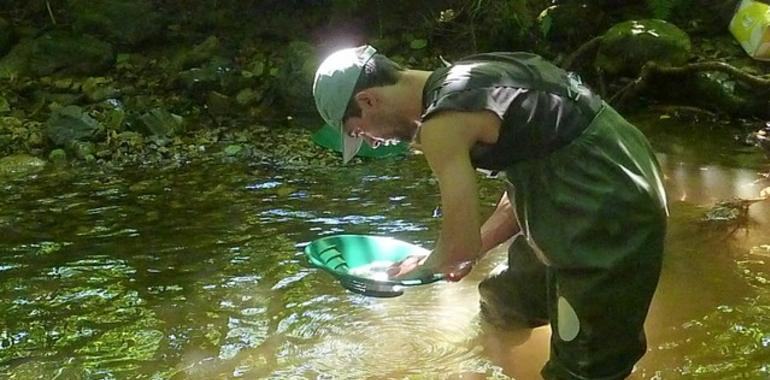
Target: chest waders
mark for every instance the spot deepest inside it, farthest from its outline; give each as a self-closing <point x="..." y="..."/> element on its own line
<point x="592" y="213"/>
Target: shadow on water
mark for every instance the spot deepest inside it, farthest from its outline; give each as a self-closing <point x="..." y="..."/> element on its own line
<point x="197" y="273"/>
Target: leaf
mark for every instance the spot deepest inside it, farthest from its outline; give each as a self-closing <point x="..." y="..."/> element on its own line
<point x="545" y="25"/>
<point x="419" y="43"/>
<point x="122" y="58"/>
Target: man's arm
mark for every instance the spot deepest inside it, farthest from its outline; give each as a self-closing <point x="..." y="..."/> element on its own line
<point x="446" y="141"/>
<point x="500" y="226"/>
<point x="446" y="147"/>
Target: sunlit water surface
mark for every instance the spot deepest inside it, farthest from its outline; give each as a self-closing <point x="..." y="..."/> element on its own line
<point x="196" y="272"/>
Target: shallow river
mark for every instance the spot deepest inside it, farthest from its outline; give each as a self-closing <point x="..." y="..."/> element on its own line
<point x="196" y="272"/>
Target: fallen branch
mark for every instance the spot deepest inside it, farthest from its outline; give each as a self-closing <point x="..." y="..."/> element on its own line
<point x="652" y="68"/>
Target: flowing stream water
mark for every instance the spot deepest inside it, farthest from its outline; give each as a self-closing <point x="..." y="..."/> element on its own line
<point x="197" y="272"/>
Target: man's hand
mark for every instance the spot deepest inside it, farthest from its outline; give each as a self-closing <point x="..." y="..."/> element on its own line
<point x="408" y="266"/>
<point x="418" y="267"/>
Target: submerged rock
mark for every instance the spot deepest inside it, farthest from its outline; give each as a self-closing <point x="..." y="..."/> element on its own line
<point x="20" y="165"/>
<point x="627" y="46"/>
<point x="729" y="214"/>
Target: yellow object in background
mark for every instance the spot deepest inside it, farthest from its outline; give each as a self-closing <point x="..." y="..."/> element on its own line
<point x="751" y="27"/>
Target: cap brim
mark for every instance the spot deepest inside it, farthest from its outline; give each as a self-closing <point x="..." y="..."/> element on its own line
<point x="350" y="146"/>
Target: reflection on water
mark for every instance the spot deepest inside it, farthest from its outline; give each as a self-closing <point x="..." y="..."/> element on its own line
<point x="195" y="273"/>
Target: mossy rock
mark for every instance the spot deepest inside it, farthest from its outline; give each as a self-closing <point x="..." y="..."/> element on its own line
<point x="6" y="36"/>
<point x="161" y="123"/>
<point x="295" y="77"/>
<point x="121" y="22"/>
<point x="57" y="52"/>
<point x="20" y="165"/>
<point x="627" y="46"/>
<point x="68" y="125"/>
<point x="198" y="55"/>
<point x="216" y="75"/>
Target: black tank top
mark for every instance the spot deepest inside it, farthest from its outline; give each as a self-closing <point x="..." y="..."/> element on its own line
<point x="542" y="107"/>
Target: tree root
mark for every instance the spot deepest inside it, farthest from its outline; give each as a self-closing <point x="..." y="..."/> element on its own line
<point x="590" y="46"/>
<point x="651" y="68"/>
<point x="687" y="110"/>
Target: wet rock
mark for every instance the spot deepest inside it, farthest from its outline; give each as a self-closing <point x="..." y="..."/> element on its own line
<point x="125" y="23"/>
<point x="729" y="214"/>
<point x="20" y="165"/>
<point x="161" y="123"/>
<point x="57" y="52"/>
<point x="198" y="81"/>
<point x="200" y="54"/>
<point x="6" y="36"/>
<point x="97" y="89"/>
<point x="217" y="75"/>
<point x="219" y="104"/>
<point x="295" y="77"/>
<point x="70" y="124"/>
<point x="627" y="46"/>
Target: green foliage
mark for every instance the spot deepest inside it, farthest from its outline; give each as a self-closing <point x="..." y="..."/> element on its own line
<point x="546" y="22"/>
<point x="349" y="5"/>
<point x="662" y="8"/>
<point x="418" y="43"/>
<point x="484" y="25"/>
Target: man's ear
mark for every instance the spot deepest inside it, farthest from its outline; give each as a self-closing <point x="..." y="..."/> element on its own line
<point x="366" y="99"/>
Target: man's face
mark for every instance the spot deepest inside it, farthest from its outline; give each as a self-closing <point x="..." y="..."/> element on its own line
<point x="378" y="127"/>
